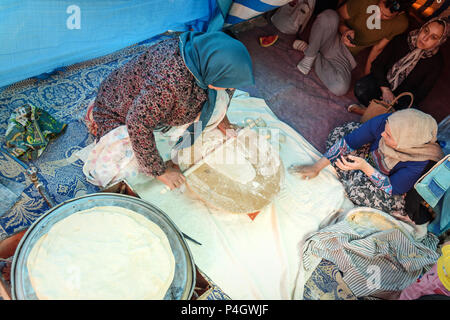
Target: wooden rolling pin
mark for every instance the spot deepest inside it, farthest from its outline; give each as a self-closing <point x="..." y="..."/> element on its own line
<point x="223" y="145"/>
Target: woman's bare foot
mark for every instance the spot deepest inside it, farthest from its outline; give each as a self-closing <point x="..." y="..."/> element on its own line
<point x="356" y="108"/>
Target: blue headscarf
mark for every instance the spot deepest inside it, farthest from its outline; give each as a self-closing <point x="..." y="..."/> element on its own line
<point x="217" y="59"/>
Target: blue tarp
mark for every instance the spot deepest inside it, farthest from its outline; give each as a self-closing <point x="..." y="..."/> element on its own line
<point x="40" y="36"/>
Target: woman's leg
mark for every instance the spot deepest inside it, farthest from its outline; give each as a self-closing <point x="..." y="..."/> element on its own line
<point x="323" y="31"/>
<point x="367" y="89"/>
<point x="341" y="131"/>
<point x="362" y="192"/>
<point x="329" y="55"/>
<point x="322" y="36"/>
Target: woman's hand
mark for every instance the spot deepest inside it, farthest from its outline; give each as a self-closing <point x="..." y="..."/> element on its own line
<point x="305" y="172"/>
<point x="172" y="177"/>
<point x="387" y="95"/>
<point x="309" y="171"/>
<point x="345" y="38"/>
<point x="227" y="128"/>
<point x="352" y="163"/>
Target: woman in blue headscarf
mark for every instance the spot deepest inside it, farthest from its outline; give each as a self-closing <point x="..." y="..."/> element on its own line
<point x="172" y="83"/>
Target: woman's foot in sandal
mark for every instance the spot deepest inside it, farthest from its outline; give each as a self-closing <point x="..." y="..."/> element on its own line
<point x="356" y="108"/>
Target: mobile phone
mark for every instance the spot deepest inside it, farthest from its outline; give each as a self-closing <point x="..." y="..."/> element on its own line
<point x="348" y="159"/>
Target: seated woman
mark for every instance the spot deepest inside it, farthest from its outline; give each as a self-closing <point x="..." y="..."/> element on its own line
<point x="172" y="83"/>
<point x="336" y="38"/>
<point x="410" y="63"/>
<point x="380" y="160"/>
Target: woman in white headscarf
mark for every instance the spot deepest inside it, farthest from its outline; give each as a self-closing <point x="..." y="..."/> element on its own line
<point x="411" y="62"/>
<point x="380" y="160"/>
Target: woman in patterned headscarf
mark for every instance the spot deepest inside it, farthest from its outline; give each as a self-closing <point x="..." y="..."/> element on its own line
<point x="173" y="83"/>
<point x="410" y="63"/>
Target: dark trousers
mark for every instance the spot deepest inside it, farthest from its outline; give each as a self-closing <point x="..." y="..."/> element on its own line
<point x="367" y="89"/>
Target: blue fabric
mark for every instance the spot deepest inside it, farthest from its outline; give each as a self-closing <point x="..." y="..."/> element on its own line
<point x="435" y="184"/>
<point x="250" y="8"/>
<point x="234" y="20"/>
<point x="217" y="59"/>
<point x="442" y="221"/>
<point x="219" y="15"/>
<point x="256" y="5"/>
<point x="443" y="135"/>
<point x="404" y="174"/>
<point x="38" y="37"/>
<point x="436" y="189"/>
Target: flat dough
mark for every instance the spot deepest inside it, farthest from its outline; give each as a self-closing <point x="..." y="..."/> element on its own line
<point x="230" y="162"/>
<point x="102" y="253"/>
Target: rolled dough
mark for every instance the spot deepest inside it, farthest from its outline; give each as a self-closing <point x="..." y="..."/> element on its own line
<point x="230" y="162"/>
<point x="102" y="253"/>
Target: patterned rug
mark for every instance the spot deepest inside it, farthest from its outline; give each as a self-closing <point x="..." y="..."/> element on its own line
<point x="65" y="95"/>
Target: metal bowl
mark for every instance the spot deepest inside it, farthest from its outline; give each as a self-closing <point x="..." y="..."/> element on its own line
<point x="183" y="283"/>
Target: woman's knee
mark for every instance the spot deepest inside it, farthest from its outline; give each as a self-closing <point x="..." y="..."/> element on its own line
<point x="328" y="18"/>
<point x="339" y="88"/>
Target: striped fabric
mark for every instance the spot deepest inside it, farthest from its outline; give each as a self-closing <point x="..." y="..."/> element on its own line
<point x="242" y="10"/>
<point x="373" y="261"/>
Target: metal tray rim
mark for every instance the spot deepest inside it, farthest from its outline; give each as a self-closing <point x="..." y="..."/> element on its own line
<point x="191" y="265"/>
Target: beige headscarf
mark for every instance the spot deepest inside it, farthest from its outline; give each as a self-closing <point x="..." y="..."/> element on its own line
<point x="415" y="133"/>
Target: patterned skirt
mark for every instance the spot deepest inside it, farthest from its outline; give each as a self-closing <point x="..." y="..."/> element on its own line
<point x="360" y="190"/>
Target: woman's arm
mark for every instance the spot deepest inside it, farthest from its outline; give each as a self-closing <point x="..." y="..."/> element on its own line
<point x="143" y="117"/>
<point x="359" y="137"/>
<point x="376" y="50"/>
<point x="311" y="171"/>
<point x="426" y="83"/>
<point x="383" y="62"/>
<point x="344" y="30"/>
<point x="400" y="182"/>
<point x="343" y="15"/>
<point x="148" y="110"/>
<point x="227" y="128"/>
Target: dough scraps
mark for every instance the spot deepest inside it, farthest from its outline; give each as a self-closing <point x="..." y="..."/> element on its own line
<point x="230" y="162"/>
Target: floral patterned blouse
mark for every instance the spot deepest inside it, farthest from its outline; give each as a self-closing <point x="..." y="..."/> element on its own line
<point x="151" y="91"/>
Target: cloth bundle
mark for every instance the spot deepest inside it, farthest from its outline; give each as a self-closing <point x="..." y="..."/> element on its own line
<point x="376" y="254"/>
<point x="29" y="131"/>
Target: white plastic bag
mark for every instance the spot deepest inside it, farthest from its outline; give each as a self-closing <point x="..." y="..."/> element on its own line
<point x="292" y="19"/>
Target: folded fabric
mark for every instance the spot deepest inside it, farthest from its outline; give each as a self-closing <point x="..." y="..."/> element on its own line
<point x="376" y="254"/>
<point x="441" y="222"/>
<point x="433" y="185"/>
<point x="434" y="188"/>
<point x="29" y="131"/>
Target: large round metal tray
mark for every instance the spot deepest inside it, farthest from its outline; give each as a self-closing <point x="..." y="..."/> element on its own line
<point x="184" y="277"/>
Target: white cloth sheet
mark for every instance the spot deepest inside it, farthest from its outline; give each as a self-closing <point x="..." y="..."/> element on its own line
<point x="257" y="259"/>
